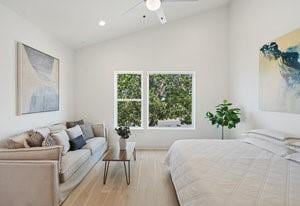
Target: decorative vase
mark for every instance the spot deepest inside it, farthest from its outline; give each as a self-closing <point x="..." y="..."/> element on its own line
<point x="123" y="143"/>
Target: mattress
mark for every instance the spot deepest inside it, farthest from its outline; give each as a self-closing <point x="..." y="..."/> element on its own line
<point x="232" y="173"/>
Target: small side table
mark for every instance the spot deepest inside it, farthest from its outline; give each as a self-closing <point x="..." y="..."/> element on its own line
<point x="117" y="155"/>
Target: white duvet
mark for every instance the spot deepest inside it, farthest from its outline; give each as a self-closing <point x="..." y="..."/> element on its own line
<point x="232" y="173"/>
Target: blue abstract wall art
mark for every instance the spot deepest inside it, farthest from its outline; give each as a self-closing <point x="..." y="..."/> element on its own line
<point x="279" y="67"/>
<point x="38" y="81"/>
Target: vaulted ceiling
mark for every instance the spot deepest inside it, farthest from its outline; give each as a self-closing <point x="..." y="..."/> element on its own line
<point x="75" y="22"/>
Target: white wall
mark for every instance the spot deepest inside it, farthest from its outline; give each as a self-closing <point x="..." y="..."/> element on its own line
<point x="12" y="29"/>
<point x="253" y="23"/>
<point x="198" y="43"/>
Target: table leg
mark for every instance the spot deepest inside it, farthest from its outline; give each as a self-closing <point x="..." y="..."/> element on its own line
<point x="134" y="154"/>
<point x="129" y="171"/>
<point x="127" y="175"/>
<point x="106" y="166"/>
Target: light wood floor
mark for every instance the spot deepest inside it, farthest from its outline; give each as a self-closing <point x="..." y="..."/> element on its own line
<point x="150" y="184"/>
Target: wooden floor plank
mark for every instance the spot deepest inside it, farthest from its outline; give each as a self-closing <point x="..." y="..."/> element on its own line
<point x="150" y="184"/>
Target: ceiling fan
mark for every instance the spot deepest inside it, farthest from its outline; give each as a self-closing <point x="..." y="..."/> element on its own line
<point x="156" y="6"/>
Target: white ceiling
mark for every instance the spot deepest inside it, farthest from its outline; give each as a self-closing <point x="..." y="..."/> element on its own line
<point x="75" y="22"/>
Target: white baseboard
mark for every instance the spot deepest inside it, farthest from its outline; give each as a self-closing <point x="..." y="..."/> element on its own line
<point x="151" y="148"/>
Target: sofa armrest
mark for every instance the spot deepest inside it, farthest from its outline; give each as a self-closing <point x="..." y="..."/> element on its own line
<point x="27" y="182"/>
<point x="33" y="153"/>
<point x="100" y="130"/>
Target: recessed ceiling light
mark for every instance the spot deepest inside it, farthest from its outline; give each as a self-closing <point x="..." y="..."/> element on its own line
<point x="102" y="23"/>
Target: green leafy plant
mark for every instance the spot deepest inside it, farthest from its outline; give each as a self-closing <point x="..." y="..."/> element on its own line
<point x="225" y="116"/>
<point x="123" y="132"/>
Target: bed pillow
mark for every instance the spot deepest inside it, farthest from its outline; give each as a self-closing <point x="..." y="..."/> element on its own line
<point x="263" y="137"/>
<point x="294" y="157"/>
<point x="294" y="145"/>
<point x="272" y="134"/>
<point x="278" y="149"/>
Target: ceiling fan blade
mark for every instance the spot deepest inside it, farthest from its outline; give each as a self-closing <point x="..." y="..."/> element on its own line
<point x="161" y="15"/>
<point x="133" y="7"/>
<point x="179" y="0"/>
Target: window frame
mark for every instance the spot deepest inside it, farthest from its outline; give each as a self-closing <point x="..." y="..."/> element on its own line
<point x="116" y="100"/>
<point x="193" y="73"/>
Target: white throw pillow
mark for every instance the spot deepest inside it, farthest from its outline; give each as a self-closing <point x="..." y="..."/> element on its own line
<point x="62" y="138"/>
<point x="74" y="132"/>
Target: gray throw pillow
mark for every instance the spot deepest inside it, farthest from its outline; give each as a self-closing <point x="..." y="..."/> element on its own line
<point x="87" y="131"/>
<point x="49" y="141"/>
<point x="73" y="124"/>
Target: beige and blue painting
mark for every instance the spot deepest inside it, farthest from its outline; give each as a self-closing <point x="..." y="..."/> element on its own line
<point x="38" y="81"/>
<point x="280" y="74"/>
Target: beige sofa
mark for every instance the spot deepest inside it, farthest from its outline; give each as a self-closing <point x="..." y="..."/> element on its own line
<point x="42" y="176"/>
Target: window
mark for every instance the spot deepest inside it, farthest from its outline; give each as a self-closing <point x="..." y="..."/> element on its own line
<point x="128" y="99"/>
<point x="171" y="100"/>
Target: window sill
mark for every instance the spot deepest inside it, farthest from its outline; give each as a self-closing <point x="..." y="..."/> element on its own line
<point x="171" y="128"/>
<point x="136" y="128"/>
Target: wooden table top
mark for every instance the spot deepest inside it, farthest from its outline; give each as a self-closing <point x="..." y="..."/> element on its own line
<point x="115" y="154"/>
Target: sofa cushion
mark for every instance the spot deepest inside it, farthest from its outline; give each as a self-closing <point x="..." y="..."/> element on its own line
<point x="49" y="141"/>
<point x="87" y="131"/>
<point x="62" y="138"/>
<point x="71" y="162"/>
<point x="94" y="144"/>
<point x="44" y="131"/>
<point x="35" y="139"/>
<point x="18" y="141"/>
<point x="99" y="130"/>
<point x="55" y="128"/>
<point x="77" y="143"/>
<point x="74" y="132"/>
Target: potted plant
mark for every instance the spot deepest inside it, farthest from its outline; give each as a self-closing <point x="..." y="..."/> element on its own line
<point x="124" y="133"/>
<point x="225" y="116"/>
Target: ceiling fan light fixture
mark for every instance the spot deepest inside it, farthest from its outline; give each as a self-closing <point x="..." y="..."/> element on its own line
<point x="153" y="5"/>
<point x="102" y="23"/>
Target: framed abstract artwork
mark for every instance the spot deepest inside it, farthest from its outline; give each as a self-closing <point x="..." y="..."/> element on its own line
<point x="279" y="72"/>
<point x="38" y="81"/>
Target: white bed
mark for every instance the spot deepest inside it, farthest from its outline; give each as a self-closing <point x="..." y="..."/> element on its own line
<point x="232" y="173"/>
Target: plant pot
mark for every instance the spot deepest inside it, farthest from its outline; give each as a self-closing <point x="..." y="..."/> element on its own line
<point x="123" y="143"/>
